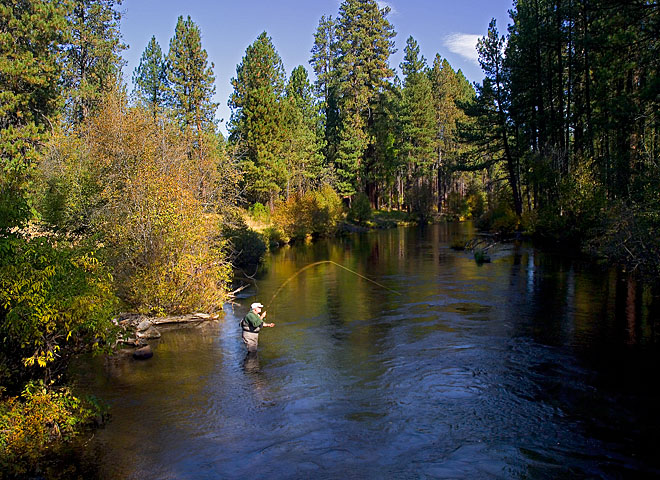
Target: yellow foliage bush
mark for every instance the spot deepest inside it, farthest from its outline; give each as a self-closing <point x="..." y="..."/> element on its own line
<point x="157" y="208"/>
<point x="36" y="420"/>
<point x="314" y="213"/>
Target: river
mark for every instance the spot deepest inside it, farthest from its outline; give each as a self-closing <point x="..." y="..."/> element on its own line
<point x="536" y="365"/>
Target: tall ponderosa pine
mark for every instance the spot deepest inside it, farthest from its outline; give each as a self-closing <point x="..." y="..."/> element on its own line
<point x="191" y="84"/>
<point x="150" y="78"/>
<point x="92" y="61"/>
<point x="386" y="170"/>
<point x="304" y="153"/>
<point x="418" y="114"/>
<point x="323" y="61"/>
<point x="258" y="119"/>
<point x="364" y="45"/>
<point x="491" y="110"/>
<point x="450" y="90"/>
<point x="30" y="36"/>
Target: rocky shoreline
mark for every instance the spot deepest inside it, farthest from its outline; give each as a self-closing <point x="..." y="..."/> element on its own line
<point x="137" y="330"/>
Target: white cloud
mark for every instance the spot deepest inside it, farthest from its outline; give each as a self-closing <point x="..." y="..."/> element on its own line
<point x="463" y="44"/>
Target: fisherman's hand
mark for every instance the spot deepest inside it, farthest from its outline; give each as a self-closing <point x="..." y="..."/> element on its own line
<point x="270" y="325"/>
<point x="263" y="315"/>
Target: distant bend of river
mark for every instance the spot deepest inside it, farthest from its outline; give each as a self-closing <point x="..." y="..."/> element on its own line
<point x="534" y="366"/>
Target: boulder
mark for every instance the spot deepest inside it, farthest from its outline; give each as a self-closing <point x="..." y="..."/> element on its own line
<point x="143" y="325"/>
<point x="151" y="332"/>
<point x="143" y="353"/>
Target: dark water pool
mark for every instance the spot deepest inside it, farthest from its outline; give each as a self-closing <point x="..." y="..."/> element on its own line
<point x="533" y="366"/>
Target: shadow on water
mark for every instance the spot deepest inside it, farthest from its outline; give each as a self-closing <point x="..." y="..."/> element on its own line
<point x="532" y="366"/>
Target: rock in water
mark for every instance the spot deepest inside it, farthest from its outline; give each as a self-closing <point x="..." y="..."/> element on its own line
<point x="143" y="353"/>
<point x="143" y="325"/>
<point x="151" y="332"/>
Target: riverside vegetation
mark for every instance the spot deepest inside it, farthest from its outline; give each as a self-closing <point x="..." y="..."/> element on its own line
<point x="113" y="201"/>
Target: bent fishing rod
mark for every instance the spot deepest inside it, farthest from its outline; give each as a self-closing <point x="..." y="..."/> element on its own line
<point x="319" y="263"/>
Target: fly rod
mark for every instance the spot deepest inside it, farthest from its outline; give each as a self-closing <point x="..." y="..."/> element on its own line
<point x="333" y="263"/>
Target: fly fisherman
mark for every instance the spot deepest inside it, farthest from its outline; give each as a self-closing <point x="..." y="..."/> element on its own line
<point x="251" y="324"/>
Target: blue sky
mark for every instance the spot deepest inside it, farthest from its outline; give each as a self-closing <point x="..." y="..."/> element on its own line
<point x="447" y="27"/>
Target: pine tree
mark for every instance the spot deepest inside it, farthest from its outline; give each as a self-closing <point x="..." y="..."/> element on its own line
<point x="323" y="61"/>
<point x="191" y="84"/>
<point x="299" y="89"/>
<point x="323" y="57"/>
<point x="150" y="78"/>
<point x="364" y="45"/>
<point x="30" y="37"/>
<point x="418" y="132"/>
<point x="387" y="169"/>
<point x="450" y="90"/>
<point x="418" y="117"/>
<point x="92" y="61"/>
<point x="258" y="119"/>
<point x="304" y="156"/>
<point x="493" y="105"/>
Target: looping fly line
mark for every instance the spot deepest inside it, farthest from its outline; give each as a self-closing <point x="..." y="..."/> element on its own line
<point x="319" y="263"/>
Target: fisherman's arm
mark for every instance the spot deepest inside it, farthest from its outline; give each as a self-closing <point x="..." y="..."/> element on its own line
<point x="262" y="316"/>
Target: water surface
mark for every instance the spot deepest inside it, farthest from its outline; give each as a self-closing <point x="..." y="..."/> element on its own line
<point x="533" y="366"/>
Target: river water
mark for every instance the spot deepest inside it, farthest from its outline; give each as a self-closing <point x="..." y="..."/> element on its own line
<point x="534" y="366"/>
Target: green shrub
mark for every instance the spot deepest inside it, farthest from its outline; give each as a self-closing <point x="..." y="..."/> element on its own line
<point x="57" y="300"/>
<point x="421" y="203"/>
<point x="326" y="211"/>
<point x="629" y="237"/>
<point x="476" y="203"/>
<point x="248" y="247"/>
<point x="360" y="211"/>
<point x="457" y="207"/>
<point x="274" y="237"/>
<point x="578" y="213"/>
<point x="500" y="219"/>
<point x="259" y="213"/>
<point x="293" y="217"/>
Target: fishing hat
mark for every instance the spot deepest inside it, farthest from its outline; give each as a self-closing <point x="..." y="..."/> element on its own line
<point x="256" y="305"/>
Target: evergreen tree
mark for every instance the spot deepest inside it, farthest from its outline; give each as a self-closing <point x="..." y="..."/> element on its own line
<point x="92" y="59"/>
<point x="364" y="45"/>
<point x="323" y="57"/>
<point x="492" y="109"/>
<point x="150" y="78"/>
<point x="418" y="113"/>
<point x="191" y="84"/>
<point x="299" y="89"/>
<point x="304" y="157"/>
<point x="258" y="119"/>
<point x="323" y="61"/>
<point x="450" y="90"/>
<point x="30" y="36"/>
<point x="387" y="170"/>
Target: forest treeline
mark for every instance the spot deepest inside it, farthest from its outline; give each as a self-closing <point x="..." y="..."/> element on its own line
<point x="569" y="107"/>
<point x="127" y="197"/>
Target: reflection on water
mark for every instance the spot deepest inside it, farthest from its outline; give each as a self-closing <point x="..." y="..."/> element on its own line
<point x="532" y="366"/>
